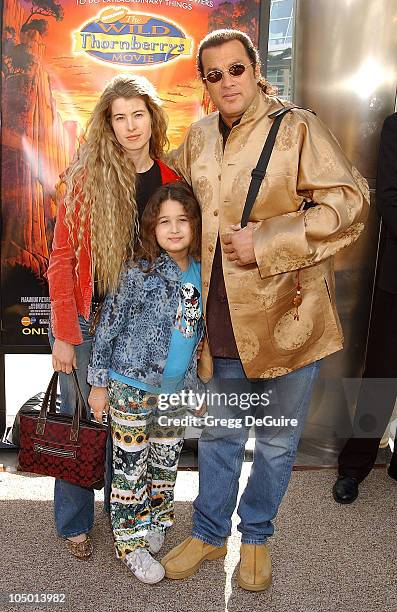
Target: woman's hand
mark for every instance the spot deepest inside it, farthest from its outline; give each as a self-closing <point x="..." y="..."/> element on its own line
<point x="98" y="401"/>
<point x="63" y="356"/>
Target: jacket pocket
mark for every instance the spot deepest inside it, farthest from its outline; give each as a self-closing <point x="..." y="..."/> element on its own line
<point x="293" y="330"/>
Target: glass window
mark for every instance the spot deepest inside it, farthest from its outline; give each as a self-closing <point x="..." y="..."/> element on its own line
<point x="279" y="59"/>
<point x="278" y="28"/>
<point x="290" y="29"/>
<point x="280" y="8"/>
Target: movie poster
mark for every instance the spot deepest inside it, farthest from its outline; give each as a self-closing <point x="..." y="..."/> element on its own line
<point x="57" y="56"/>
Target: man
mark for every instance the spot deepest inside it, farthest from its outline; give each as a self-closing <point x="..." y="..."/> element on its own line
<point x="268" y="289"/>
<point x="377" y="396"/>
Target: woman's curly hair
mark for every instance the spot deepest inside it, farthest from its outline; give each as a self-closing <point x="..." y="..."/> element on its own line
<point x="99" y="185"/>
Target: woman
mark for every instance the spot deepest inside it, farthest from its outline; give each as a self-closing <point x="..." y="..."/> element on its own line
<point x="101" y="198"/>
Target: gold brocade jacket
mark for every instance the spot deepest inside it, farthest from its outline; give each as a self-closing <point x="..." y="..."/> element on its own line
<point x="306" y="164"/>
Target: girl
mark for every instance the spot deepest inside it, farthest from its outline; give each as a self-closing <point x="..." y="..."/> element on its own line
<point x="101" y="198"/>
<point x="145" y="344"/>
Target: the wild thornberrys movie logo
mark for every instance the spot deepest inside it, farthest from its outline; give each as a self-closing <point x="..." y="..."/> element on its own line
<point x="118" y="36"/>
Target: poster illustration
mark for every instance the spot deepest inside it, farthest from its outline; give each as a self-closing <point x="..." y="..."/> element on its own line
<point x="57" y="56"/>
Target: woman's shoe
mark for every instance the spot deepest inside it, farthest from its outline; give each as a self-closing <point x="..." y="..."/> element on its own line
<point x="144" y="567"/>
<point x="80" y="550"/>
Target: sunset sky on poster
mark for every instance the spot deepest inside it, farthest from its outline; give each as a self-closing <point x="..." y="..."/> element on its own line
<point x="77" y="79"/>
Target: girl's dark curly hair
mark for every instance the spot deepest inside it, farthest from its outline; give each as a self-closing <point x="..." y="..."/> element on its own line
<point x="148" y="248"/>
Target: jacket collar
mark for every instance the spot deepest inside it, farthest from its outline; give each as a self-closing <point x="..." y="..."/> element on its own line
<point x="167" y="267"/>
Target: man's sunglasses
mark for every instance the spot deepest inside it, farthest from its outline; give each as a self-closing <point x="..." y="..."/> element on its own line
<point x="235" y="70"/>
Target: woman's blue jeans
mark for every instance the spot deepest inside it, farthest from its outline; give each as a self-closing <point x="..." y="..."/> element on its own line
<point x="221" y="454"/>
<point x="74" y="505"/>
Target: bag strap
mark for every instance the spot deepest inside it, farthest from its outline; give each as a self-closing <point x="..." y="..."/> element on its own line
<point x="258" y="173"/>
<point x="80" y="409"/>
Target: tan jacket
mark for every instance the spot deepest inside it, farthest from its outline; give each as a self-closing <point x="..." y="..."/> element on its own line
<point x="306" y="163"/>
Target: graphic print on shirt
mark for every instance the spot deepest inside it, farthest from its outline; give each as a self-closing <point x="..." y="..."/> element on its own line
<point x="188" y="312"/>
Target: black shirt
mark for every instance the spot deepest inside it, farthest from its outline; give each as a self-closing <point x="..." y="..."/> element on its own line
<point x="146" y="184"/>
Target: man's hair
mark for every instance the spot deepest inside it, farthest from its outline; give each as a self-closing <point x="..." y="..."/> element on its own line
<point x="100" y="182"/>
<point x="220" y="37"/>
<point x="148" y="248"/>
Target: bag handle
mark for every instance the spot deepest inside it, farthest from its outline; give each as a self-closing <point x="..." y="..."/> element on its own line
<point x="53" y="401"/>
<point x="80" y="410"/>
<point x="259" y="172"/>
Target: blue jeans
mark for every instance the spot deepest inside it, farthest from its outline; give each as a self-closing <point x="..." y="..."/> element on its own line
<point x="221" y="454"/>
<point x="74" y="505"/>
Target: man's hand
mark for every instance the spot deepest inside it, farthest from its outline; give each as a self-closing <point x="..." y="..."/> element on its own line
<point x="98" y="401"/>
<point x="239" y="244"/>
<point x="200" y="349"/>
<point x="63" y="356"/>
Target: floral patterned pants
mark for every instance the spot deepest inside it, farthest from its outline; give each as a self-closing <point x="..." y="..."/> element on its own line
<point x="145" y="461"/>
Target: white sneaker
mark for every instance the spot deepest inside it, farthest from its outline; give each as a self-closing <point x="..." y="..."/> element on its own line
<point x="155" y="539"/>
<point x="144" y="567"/>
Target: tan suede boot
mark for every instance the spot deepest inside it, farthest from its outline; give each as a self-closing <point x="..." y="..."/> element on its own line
<point x="185" y="559"/>
<point x="255" y="570"/>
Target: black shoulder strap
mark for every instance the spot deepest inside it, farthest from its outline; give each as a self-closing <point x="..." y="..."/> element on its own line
<point x="259" y="172"/>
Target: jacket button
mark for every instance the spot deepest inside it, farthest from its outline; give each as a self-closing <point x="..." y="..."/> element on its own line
<point x="205" y="283"/>
<point x="216" y="213"/>
<point x="210" y="248"/>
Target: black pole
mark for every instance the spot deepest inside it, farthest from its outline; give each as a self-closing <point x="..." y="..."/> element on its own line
<point x="3" y="411"/>
<point x="263" y="33"/>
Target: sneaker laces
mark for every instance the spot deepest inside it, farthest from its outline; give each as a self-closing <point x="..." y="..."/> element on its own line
<point x="141" y="559"/>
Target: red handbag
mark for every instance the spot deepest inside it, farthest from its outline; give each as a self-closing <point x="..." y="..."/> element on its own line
<point x="66" y="447"/>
